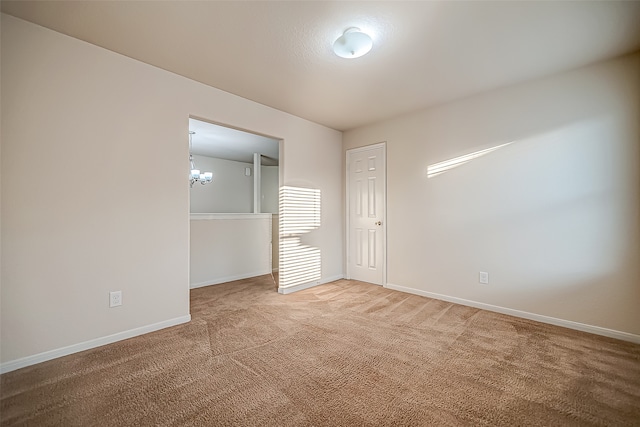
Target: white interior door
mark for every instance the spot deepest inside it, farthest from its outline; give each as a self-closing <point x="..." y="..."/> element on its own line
<point x="366" y="193"/>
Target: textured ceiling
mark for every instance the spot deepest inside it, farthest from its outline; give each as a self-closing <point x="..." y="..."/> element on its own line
<point x="231" y="144"/>
<point x="279" y="53"/>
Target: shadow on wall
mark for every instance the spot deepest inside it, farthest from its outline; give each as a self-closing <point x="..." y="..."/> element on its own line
<point x="537" y="184"/>
<point x="299" y="214"/>
<point x="546" y="202"/>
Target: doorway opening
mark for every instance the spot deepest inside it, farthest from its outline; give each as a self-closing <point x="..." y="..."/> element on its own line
<point x="233" y="232"/>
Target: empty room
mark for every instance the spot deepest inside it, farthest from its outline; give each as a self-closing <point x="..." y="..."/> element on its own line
<point x="319" y="213"/>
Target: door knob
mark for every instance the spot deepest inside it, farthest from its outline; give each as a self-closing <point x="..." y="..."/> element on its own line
<point x="379" y="223"/>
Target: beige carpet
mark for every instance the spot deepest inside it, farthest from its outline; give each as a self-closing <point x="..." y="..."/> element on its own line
<point x="341" y="354"/>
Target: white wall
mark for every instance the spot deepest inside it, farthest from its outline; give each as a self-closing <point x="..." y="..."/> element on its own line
<point x="553" y="217"/>
<point x="226" y="247"/>
<point x="275" y="246"/>
<point x="230" y="191"/>
<point x="269" y="190"/>
<point x="71" y="110"/>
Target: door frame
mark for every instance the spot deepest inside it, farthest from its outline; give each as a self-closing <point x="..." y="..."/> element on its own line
<point x="281" y="167"/>
<point x="382" y="145"/>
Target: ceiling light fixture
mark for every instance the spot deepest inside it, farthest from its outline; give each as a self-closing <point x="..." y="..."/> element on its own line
<point x="195" y="175"/>
<point x="353" y="43"/>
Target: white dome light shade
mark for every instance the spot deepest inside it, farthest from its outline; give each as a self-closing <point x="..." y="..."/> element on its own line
<point x="352" y="44"/>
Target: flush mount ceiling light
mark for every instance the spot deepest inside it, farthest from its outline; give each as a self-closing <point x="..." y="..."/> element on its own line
<point x="353" y="43"/>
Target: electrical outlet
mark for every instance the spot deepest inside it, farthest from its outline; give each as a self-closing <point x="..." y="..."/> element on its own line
<point x="115" y="298"/>
<point x="484" y="278"/>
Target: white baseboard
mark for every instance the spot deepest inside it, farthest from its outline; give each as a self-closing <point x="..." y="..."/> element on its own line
<point x="23" y="362"/>
<point x="295" y="288"/>
<point x="625" y="336"/>
<point x="226" y="279"/>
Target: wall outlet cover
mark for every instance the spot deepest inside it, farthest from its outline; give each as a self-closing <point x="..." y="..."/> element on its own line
<point x="115" y="298"/>
<point x="484" y="277"/>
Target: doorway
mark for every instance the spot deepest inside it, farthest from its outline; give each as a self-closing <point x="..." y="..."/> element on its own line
<point x="234" y="215"/>
<point x="366" y="214"/>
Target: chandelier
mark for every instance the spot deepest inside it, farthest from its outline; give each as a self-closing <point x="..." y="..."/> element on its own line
<point x="195" y="175"/>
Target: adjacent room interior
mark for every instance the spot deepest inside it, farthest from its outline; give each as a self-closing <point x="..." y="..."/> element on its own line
<point x="320" y="213"/>
<point x="233" y="221"/>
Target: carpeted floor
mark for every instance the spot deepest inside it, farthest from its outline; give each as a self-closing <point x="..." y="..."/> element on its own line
<point x="341" y="354"/>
